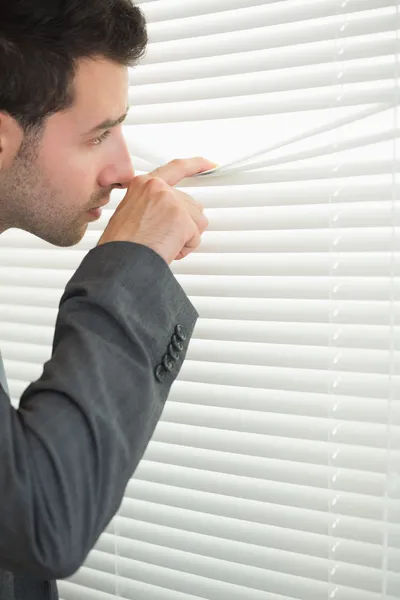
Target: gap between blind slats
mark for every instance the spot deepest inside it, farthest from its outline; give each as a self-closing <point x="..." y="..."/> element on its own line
<point x="293" y="174"/>
<point x="296" y="194"/>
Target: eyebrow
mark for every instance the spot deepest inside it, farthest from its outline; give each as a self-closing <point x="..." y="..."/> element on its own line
<point x="109" y="123"/>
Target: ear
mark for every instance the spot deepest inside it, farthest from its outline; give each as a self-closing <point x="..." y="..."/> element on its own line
<point x="11" y="136"/>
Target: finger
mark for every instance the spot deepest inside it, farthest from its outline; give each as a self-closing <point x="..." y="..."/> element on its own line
<point x="176" y="170"/>
<point x="191" y="245"/>
<point x="203" y="224"/>
<point x="194" y="241"/>
<point x="198" y="217"/>
<point x="196" y="209"/>
<point x="184" y="253"/>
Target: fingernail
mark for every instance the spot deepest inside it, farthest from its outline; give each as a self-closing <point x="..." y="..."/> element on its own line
<point x="211" y="162"/>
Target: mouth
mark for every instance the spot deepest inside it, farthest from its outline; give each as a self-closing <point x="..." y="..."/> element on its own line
<point x="95" y="213"/>
<point x="99" y="206"/>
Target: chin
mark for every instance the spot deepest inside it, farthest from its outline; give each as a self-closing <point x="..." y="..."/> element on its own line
<point x="71" y="239"/>
<point x="63" y="238"/>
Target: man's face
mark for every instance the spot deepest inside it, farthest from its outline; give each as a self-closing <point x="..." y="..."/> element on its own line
<point x="49" y="190"/>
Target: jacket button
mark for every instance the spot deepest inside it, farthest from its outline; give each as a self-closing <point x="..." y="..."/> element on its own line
<point x="169" y="363"/>
<point x="177" y="343"/>
<point x="160" y="373"/>
<point x="180" y="333"/>
<point x="173" y="352"/>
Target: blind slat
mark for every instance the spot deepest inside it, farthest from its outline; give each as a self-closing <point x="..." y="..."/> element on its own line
<point x="219" y="548"/>
<point x="252" y="84"/>
<point x="252" y="576"/>
<point x="251" y="532"/>
<point x="264" y="104"/>
<point x="178" y="9"/>
<point x="264" y="38"/>
<point x="373" y="44"/>
<point x="39" y="327"/>
<point x="201" y="544"/>
<point x="357" y="384"/>
<point x="254" y="17"/>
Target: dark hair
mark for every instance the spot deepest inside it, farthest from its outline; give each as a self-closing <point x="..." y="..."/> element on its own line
<point x="41" y="40"/>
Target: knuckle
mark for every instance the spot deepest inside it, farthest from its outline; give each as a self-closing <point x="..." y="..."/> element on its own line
<point x="140" y="179"/>
<point x="156" y="184"/>
<point x="177" y="210"/>
<point x="204" y="222"/>
<point x="180" y="162"/>
<point x="172" y="205"/>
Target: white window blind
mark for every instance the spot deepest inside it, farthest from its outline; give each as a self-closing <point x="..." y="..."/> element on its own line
<point x="274" y="473"/>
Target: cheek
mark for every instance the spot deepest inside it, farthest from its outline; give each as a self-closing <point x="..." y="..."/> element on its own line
<point x="75" y="174"/>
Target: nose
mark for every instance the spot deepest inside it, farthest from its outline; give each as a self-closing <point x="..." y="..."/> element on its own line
<point x="120" y="172"/>
<point x="125" y="171"/>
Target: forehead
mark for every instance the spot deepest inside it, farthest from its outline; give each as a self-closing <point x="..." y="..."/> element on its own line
<point x="101" y="92"/>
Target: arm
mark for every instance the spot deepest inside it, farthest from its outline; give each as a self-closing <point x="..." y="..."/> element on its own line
<point x="70" y="449"/>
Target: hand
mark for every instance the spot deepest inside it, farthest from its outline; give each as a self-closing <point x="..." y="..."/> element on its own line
<point x="155" y="214"/>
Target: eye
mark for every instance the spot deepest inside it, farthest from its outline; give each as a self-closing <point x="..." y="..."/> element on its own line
<point x="97" y="141"/>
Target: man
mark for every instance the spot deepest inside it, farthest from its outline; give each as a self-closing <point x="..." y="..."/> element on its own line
<point x="124" y="323"/>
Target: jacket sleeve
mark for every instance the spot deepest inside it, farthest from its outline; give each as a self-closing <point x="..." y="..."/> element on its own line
<point x="68" y="452"/>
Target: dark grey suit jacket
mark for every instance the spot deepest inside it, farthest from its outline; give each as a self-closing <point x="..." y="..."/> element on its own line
<point x="68" y="452"/>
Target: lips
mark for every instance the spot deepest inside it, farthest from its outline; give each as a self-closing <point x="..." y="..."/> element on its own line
<point x="101" y="205"/>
